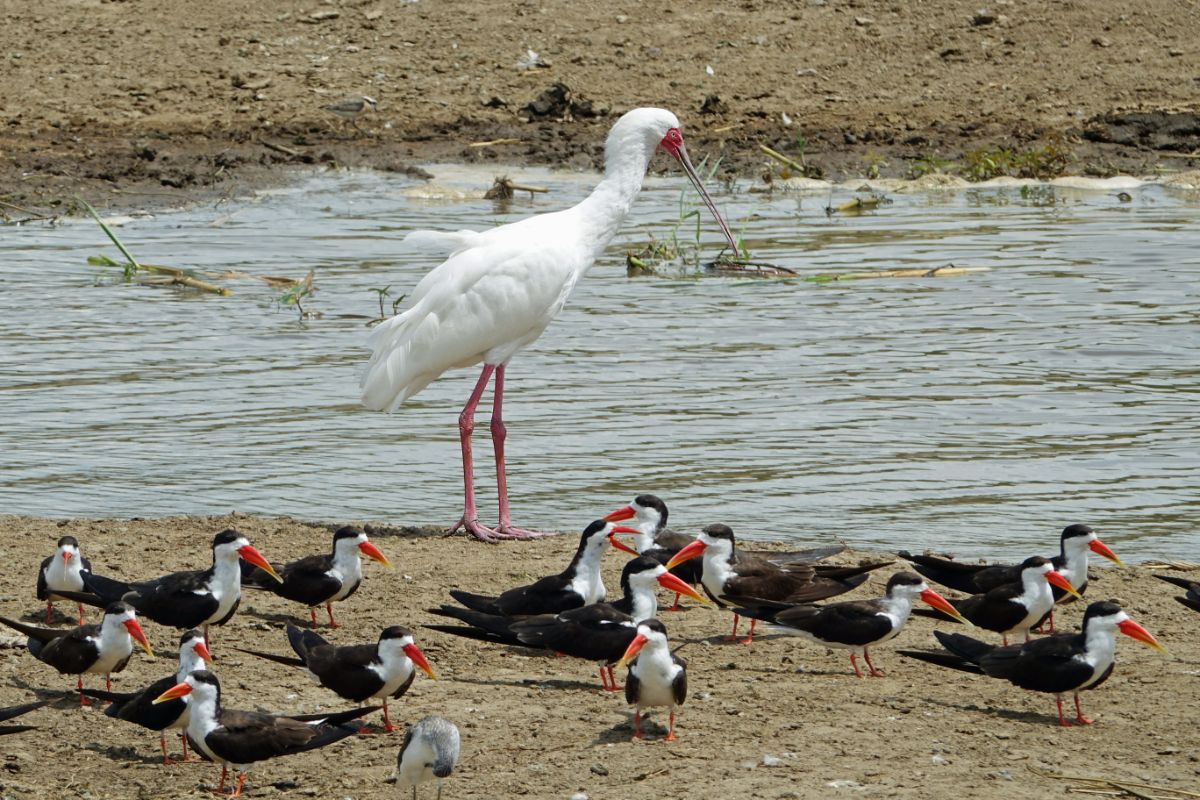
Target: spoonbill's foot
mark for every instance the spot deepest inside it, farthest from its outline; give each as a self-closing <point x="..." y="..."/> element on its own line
<point x="511" y="532"/>
<point x="479" y="531"/>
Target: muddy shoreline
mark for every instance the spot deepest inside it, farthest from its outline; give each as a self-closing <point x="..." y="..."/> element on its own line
<point x="136" y="106"/>
<point x="164" y="171"/>
<point x="777" y="719"/>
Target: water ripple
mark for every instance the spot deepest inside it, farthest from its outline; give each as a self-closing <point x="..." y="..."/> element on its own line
<point x="977" y="414"/>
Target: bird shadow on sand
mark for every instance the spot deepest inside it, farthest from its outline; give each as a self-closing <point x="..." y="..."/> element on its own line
<point x="836" y="674"/>
<point x="283" y="619"/>
<point x="724" y="639"/>
<point x="38" y="617"/>
<point x="123" y="752"/>
<point x="1006" y="713"/>
<point x="622" y="732"/>
<point x="540" y="683"/>
<point x="59" y="698"/>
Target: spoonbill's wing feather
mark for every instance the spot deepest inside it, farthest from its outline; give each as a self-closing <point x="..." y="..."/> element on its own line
<point x="448" y="242"/>
<point x="483" y="303"/>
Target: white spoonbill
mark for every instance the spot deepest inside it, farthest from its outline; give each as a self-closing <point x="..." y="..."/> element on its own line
<point x="499" y="289"/>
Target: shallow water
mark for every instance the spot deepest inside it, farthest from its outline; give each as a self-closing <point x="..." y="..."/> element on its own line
<point x="977" y="414"/>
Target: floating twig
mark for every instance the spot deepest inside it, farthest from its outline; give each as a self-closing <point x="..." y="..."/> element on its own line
<point x="503" y="189"/>
<point x="758" y="269"/>
<point x="859" y="205"/>
<point x="936" y="272"/>
<point x="184" y="278"/>
<point x="132" y="267"/>
<point x="170" y="275"/>
<point x="782" y="159"/>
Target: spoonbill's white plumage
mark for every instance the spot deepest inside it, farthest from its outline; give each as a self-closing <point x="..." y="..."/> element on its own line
<point x="499" y="289"/>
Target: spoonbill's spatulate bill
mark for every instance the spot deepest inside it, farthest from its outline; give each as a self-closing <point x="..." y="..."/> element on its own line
<point x="499" y="289"/>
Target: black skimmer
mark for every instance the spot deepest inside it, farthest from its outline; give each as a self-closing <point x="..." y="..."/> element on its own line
<point x="657" y="677"/>
<point x="190" y="599"/>
<point x="140" y="708"/>
<point x="852" y="625"/>
<point x="1192" y="598"/>
<point x="239" y="738"/>
<point x="320" y="579"/>
<point x="728" y="571"/>
<point x="63" y="570"/>
<point x="429" y="752"/>
<point x="11" y="712"/>
<point x="1056" y="664"/>
<point x="595" y="632"/>
<point x="1013" y="608"/>
<point x="358" y="672"/>
<point x="654" y="538"/>
<point x="1071" y="562"/>
<point x="578" y="585"/>
<point x="98" y="649"/>
<point x="659" y="542"/>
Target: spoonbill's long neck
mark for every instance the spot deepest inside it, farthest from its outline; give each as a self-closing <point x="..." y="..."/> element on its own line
<point x="603" y="211"/>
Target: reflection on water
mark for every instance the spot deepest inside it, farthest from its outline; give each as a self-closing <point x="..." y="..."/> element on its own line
<point x="976" y="414"/>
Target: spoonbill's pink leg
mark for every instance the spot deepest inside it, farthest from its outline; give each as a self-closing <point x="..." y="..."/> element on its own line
<point x="505" y="529"/>
<point x="466" y="424"/>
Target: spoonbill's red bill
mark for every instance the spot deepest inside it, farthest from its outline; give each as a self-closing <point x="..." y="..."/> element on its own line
<point x="499" y="289"/>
